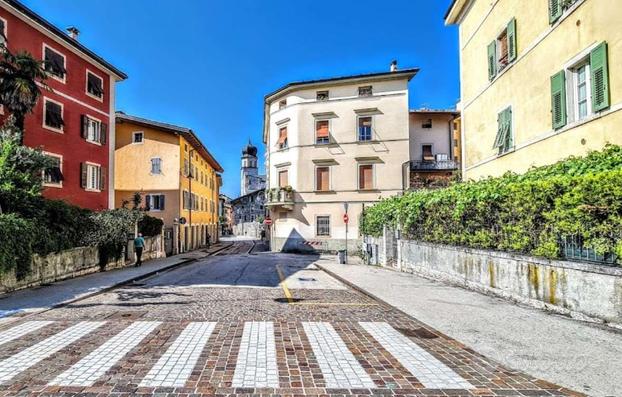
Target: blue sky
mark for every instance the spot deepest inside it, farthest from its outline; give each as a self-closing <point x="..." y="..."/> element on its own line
<point x="207" y="64"/>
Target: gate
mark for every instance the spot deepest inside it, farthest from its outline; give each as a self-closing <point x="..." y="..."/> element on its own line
<point x="168" y="241"/>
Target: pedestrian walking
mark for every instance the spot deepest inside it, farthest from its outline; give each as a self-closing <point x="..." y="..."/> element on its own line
<point x="139" y="245"/>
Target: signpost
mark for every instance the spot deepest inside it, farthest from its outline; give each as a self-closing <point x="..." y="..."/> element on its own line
<point x="267" y="221"/>
<point x="345" y="220"/>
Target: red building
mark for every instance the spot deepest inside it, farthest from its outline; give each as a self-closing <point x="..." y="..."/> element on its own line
<point x="73" y="122"/>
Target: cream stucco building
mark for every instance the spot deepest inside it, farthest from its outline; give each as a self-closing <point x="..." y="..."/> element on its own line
<point x="540" y="80"/>
<point x="331" y="142"/>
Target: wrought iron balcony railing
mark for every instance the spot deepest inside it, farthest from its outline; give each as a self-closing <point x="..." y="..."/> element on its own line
<point x="434" y="165"/>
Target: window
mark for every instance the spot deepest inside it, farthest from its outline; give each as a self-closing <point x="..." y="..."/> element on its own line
<point x="426" y="152"/>
<point x="186" y="167"/>
<point x="282" y="104"/>
<point x="283" y="178"/>
<point x="156" y="165"/>
<point x="582" y="89"/>
<point x="138" y="137"/>
<point x="322" y="179"/>
<point x="321" y="132"/>
<point x="365" y="91"/>
<point x="365" y="128"/>
<point x="321" y="95"/>
<point x="53" y="117"/>
<point x="154" y="202"/>
<point x="502" y="51"/>
<point x="322" y="226"/>
<point x="426" y="123"/>
<point x="557" y="8"/>
<point x="366" y="176"/>
<point x="3" y="32"/>
<point x="92" y="177"/>
<point x="54" y="63"/>
<point x="93" y="130"/>
<point x="53" y="176"/>
<point x="282" y="141"/>
<point x="186" y="200"/>
<point x="504" y="140"/>
<point x="94" y="85"/>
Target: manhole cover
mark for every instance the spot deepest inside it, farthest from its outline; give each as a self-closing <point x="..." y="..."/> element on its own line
<point x="285" y="300"/>
<point x="418" y="333"/>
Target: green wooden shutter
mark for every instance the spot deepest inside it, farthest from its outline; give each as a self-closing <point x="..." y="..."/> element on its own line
<point x="83" y="175"/>
<point x="492" y="60"/>
<point x="509" y="138"/>
<point x="558" y="99"/>
<point x="511" y="33"/>
<point x="600" y="77"/>
<point x="555" y="10"/>
<point x="500" y="138"/>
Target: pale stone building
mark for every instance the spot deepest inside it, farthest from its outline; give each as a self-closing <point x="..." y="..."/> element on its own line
<point x="329" y="143"/>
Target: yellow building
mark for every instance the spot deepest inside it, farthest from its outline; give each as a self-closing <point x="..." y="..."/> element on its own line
<point x="540" y="80"/>
<point x="175" y="175"/>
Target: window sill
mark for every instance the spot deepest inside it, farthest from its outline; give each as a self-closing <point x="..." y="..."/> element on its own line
<point x="56" y="130"/>
<point x="53" y="185"/>
<point x="509" y="151"/>
<point x="55" y="77"/>
<point x="324" y="192"/>
<point x="322" y="237"/>
<point x="370" y="142"/>
<point x="284" y="149"/>
<point x="99" y="99"/>
<point x="92" y="190"/>
<point x="94" y="142"/>
<point x="329" y="144"/>
<point x="374" y="190"/>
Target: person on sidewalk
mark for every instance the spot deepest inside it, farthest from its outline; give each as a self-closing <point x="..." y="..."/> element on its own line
<point x="139" y="245"/>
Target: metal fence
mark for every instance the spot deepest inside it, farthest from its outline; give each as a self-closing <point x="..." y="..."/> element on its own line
<point x="573" y="248"/>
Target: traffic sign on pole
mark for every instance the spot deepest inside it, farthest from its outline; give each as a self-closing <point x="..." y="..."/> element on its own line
<point x="345" y="218"/>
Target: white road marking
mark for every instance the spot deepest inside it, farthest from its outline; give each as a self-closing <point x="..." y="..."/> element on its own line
<point x="86" y="371"/>
<point x="21" y="330"/>
<point x="25" y="359"/>
<point x="175" y="367"/>
<point x="341" y="370"/>
<point x="256" y="365"/>
<point x="431" y="372"/>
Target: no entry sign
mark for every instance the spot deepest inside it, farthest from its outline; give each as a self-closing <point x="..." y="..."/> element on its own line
<point x="267" y="221"/>
<point x="345" y="218"/>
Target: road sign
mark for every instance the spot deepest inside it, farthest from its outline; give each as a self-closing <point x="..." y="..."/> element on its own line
<point x="182" y="221"/>
<point x="267" y="221"/>
<point x="345" y="218"/>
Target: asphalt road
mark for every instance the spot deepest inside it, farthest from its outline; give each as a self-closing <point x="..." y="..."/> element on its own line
<point x="244" y="324"/>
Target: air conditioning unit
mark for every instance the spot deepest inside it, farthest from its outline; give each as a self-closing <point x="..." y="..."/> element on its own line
<point x="442" y="157"/>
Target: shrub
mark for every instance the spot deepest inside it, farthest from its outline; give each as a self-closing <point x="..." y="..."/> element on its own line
<point x="16" y="248"/>
<point x="150" y="226"/>
<point x="525" y="213"/>
<point x="110" y="232"/>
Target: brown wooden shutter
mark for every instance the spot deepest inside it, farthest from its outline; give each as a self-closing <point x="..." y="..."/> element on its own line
<point x="283" y="179"/>
<point x="282" y="136"/>
<point x="102" y="178"/>
<point x="83" y="175"/>
<point x="321" y="129"/>
<point x="427" y="152"/>
<point x="366" y="176"/>
<point x="148" y="202"/>
<point x="85" y="126"/>
<point x="322" y="179"/>
<point x="103" y="133"/>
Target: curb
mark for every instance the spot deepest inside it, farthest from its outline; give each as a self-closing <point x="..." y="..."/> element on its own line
<point x="114" y="286"/>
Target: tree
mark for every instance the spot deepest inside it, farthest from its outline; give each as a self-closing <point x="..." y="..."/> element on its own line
<point x="19" y="91"/>
<point x="21" y="169"/>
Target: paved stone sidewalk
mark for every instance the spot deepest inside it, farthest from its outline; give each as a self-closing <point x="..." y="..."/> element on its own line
<point x="41" y="298"/>
<point x="573" y="354"/>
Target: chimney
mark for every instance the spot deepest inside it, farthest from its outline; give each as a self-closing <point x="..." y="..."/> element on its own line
<point x="73" y="32"/>
<point x="394" y="66"/>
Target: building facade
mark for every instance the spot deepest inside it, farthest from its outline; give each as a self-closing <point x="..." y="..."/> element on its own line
<point x="540" y="81"/>
<point x="73" y="122"/>
<point x="175" y="175"/>
<point x="433" y="147"/>
<point x="225" y="215"/>
<point x="333" y="143"/>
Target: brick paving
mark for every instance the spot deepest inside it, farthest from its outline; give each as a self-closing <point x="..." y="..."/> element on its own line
<point x="180" y="340"/>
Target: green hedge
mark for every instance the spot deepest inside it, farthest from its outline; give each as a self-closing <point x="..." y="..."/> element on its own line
<point x="16" y="235"/>
<point x="150" y="226"/>
<point x="525" y="213"/>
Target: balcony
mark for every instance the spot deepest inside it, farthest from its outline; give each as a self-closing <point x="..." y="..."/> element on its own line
<point x="434" y="165"/>
<point x="282" y="198"/>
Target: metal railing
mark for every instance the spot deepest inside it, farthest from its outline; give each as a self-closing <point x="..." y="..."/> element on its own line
<point x="573" y="248"/>
<point x="434" y="165"/>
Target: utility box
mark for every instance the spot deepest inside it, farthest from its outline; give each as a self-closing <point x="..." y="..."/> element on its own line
<point x="341" y="257"/>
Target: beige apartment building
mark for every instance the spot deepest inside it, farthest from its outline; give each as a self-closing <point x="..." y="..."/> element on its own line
<point x="540" y="80"/>
<point x="333" y="143"/>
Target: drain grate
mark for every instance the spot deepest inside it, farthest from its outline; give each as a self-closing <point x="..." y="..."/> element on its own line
<point x="285" y="300"/>
<point x="418" y="333"/>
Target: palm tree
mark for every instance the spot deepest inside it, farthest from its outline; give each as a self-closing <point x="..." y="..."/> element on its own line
<point x="19" y="91"/>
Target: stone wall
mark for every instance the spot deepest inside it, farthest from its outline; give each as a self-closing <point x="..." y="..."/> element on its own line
<point x="248" y="229"/>
<point x="302" y="245"/>
<point x="581" y="290"/>
<point x="74" y="263"/>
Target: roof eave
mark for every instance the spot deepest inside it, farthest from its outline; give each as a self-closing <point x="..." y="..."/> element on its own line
<point x="454" y="12"/>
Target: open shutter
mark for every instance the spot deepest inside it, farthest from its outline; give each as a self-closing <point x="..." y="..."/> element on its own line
<point x="600" y="77"/>
<point x="508" y="143"/>
<point x="103" y="133"/>
<point x="558" y="99"/>
<point x="162" y="202"/>
<point x="83" y="175"/>
<point x="511" y="34"/>
<point x="85" y="126"/>
<point x="555" y="10"/>
<point x="102" y="178"/>
<point x="148" y="202"/>
<point x="492" y="60"/>
<point x="501" y="130"/>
